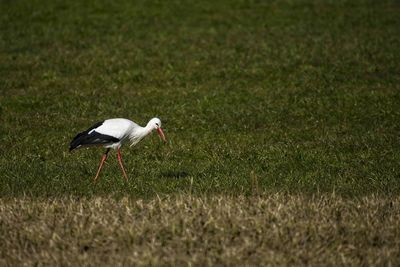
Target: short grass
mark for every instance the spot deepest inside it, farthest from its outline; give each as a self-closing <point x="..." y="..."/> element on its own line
<point x="255" y="96"/>
<point x="269" y="230"/>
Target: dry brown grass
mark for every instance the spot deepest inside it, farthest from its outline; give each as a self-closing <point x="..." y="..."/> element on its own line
<point x="191" y="231"/>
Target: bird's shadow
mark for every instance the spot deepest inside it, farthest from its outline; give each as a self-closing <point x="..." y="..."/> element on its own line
<point x="178" y="174"/>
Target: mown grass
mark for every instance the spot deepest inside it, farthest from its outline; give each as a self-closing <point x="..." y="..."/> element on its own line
<point x="293" y="96"/>
<point x="269" y="230"/>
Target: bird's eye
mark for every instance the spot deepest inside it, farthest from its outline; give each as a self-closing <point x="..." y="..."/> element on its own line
<point x="157" y="124"/>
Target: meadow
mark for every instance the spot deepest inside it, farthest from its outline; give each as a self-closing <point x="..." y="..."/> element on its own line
<point x="258" y="99"/>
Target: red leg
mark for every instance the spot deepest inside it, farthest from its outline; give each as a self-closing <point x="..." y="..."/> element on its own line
<point x="103" y="159"/>
<point x="120" y="164"/>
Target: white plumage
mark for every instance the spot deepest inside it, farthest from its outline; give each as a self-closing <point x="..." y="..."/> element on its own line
<point x="113" y="133"/>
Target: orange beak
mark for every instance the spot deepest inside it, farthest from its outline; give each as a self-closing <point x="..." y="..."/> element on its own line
<point x="161" y="134"/>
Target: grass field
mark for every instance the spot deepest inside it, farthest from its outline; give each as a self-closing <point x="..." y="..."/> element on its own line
<point x="277" y="230"/>
<point x="303" y="96"/>
<point x="257" y="98"/>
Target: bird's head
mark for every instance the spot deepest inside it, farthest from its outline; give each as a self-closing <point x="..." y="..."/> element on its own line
<point x="155" y="124"/>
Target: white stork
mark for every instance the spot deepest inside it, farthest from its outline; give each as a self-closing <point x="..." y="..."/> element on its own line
<point x="112" y="133"/>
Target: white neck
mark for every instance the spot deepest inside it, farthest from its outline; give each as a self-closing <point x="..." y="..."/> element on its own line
<point x="139" y="132"/>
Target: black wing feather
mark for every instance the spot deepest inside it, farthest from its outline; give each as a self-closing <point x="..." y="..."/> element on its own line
<point x="94" y="138"/>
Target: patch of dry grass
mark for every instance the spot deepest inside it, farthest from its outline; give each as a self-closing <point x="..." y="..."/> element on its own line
<point x="184" y="230"/>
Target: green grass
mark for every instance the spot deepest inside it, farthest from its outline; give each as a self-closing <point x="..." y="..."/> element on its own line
<point x="293" y="96"/>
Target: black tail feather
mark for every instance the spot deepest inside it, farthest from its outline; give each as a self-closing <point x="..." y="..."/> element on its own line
<point x="90" y="137"/>
<point x="94" y="138"/>
<point x="77" y="140"/>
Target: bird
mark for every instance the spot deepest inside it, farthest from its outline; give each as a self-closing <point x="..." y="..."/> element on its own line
<point x="112" y="134"/>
